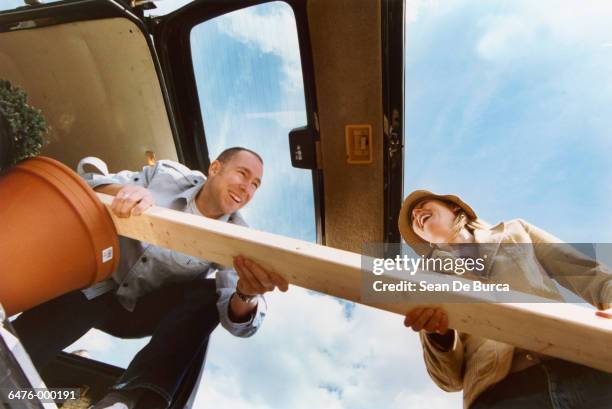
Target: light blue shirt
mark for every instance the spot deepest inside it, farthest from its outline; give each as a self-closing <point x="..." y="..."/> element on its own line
<point x="144" y="267"/>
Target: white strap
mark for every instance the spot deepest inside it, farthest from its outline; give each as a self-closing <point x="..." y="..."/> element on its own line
<point x="97" y="163"/>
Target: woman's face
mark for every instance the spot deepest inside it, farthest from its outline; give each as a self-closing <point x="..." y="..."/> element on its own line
<point x="433" y="221"/>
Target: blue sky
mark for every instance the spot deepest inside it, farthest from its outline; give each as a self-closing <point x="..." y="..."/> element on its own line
<point x="507" y="105"/>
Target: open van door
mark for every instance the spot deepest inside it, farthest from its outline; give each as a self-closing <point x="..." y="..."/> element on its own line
<point x="92" y="68"/>
<point x="118" y="82"/>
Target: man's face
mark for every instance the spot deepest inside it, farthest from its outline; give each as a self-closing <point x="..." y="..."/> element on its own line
<point x="235" y="182"/>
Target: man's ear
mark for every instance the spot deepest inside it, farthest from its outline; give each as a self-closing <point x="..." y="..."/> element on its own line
<point x="214" y="168"/>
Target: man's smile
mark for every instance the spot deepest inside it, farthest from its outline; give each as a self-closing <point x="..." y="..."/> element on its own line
<point x="235" y="197"/>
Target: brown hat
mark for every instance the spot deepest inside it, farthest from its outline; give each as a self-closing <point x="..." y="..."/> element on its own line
<point x="405" y="217"/>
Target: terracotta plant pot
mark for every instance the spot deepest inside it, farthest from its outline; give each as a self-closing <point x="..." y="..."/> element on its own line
<point x="56" y="236"/>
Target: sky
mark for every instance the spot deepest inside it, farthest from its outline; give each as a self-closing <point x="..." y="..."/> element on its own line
<point x="507" y="105"/>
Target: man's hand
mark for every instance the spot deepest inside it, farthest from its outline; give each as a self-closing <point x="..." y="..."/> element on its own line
<point x="131" y="200"/>
<point x="432" y="320"/>
<point x="254" y="279"/>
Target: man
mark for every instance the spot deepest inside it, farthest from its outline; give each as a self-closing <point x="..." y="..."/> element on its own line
<point x="160" y="292"/>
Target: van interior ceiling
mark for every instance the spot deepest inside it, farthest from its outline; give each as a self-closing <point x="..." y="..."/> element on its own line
<point x="99" y="93"/>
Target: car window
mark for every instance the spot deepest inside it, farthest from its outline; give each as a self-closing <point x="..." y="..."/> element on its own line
<point x="249" y="81"/>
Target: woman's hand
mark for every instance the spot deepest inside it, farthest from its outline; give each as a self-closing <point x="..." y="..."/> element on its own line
<point x="432" y="320"/>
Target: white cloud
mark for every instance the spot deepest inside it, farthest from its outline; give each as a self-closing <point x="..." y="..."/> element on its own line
<point x="514" y="28"/>
<point x="272" y="32"/>
<point x="417" y="9"/>
<point x="308" y="355"/>
<point x="503" y="34"/>
<point x="284" y="119"/>
<point x="269" y="27"/>
<point x="570" y="23"/>
<point x="413" y="8"/>
<point x="528" y="27"/>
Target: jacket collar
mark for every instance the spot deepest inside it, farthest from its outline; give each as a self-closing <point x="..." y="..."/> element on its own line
<point x="493" y="234"/>
<point x="490" y="239"/>
<point x="190" y="194"/>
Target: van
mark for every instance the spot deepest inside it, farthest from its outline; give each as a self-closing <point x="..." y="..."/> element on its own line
<point x="131" y="84"/>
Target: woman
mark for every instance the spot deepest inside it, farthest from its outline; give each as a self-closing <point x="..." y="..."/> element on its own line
<point x="490" y="373"/>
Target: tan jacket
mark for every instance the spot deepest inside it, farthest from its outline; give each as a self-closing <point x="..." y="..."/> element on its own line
<point x="474" y="364"/>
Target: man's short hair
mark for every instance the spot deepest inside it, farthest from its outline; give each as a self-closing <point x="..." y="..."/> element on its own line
<point x="227" y="154"/>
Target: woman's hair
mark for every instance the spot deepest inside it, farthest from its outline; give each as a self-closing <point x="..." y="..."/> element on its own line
<point x="461" y="219"/>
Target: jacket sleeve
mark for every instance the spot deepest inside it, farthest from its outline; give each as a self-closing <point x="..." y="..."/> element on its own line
<point x="227" y="280"/>
<point x="226" y="287"/>
<point x="95" y="173"/>
<point x="582" y="275"/>
<point x="444" y="367"/>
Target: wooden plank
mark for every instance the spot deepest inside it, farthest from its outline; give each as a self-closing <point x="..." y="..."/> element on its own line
<point x="565" y="331"/>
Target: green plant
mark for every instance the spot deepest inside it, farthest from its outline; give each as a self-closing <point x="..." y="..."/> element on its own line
<point x="24" y="126"/>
